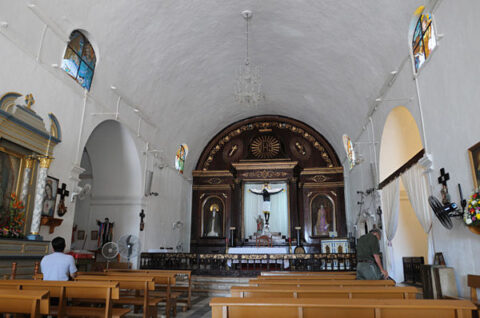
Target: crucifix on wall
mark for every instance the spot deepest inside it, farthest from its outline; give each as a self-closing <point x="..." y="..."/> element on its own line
<point x="444" y="177"/>
<point x="63" y="192"/>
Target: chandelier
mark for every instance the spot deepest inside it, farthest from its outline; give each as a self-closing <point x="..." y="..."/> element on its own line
<point x="248" y="84"/>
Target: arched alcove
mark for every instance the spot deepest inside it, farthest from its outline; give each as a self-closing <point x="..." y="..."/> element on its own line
<point x="399" y="143"/>
<point x="113" y="170"/>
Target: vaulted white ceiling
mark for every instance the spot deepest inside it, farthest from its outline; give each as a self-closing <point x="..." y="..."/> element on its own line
<point x="322" y="61"/>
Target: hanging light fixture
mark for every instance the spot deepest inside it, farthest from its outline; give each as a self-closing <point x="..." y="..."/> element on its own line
<point x="248" y="85"/>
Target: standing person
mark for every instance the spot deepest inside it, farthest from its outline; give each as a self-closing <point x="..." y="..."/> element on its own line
<point x="369" y="265"/>
<point x="58" y="266"/>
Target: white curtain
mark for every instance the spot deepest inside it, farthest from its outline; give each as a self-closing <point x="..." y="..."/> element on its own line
<point x="252" y="206"/>
<point x="416" y="183"/>
<point x="390" y="207"/>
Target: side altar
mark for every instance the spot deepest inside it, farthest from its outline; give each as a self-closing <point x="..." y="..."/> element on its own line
<point x="266" y="176"/>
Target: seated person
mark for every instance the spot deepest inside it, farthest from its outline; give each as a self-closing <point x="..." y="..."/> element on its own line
<point x="58" y="266"/>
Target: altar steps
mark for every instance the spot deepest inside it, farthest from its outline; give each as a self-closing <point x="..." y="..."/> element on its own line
<point x="216" y="286"/>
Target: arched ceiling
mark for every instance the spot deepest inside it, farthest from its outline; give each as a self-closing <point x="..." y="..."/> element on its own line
<point x="322" y="61"/>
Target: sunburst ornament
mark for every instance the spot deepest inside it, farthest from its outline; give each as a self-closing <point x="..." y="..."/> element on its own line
<point x="265" y="147"/>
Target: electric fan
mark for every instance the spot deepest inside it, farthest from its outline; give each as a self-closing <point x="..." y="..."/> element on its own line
<point x="129" y="246"/>
<point x="444" y="212"/>
<point x="110" y="251"/>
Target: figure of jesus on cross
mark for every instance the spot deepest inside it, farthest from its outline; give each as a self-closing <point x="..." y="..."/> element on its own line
<point x="266" y="192"/>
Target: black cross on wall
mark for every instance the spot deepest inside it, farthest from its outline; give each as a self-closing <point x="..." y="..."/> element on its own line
<point x="63" y="192"/>
<point x="444" y="177"/>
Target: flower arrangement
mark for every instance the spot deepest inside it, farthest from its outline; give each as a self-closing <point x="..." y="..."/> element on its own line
<point x="472" y="213"/>
<point x="13" y="227"/>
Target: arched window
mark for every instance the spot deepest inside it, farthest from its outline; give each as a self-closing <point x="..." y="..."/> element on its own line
<point x="79" y="60"/>
<point x="180" y="157"/>
<point x="423" y="37"/>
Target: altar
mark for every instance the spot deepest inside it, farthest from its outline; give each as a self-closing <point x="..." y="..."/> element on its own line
<point x="258" y="250"/>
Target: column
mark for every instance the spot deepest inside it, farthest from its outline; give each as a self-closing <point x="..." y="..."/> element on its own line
<point x="39" y="192"/>
<point x="26" y="179"/>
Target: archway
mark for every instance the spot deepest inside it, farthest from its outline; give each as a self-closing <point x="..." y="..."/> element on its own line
<point x="400" y="142"/>
<point x="113" y="170"/>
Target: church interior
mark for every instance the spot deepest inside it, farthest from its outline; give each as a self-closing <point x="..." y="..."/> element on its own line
<point x="233" y="138"/>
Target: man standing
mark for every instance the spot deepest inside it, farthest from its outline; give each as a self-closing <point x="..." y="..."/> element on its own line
<point x="369" y="265"/>
<point x="58" y="266"/>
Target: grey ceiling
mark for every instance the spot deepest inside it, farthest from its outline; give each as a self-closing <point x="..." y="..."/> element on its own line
<point x="321" y="59"/>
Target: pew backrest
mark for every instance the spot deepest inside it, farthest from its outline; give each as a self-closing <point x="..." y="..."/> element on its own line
<point x="324" y="292"/>
<point x="33" y="302"/>
<point x="473" y="281"/>
<point x="300" y="283"/>
<point x="234" y="307"/>
<point x="309" y="277"/>
<point x="287" y="273"/>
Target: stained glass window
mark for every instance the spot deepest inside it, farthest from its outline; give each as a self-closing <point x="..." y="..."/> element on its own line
<point x="180" y="157"/>
<point x="79" y="60"/>
<point x="423" y="39"/>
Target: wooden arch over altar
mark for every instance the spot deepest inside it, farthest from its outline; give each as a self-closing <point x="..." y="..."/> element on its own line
<point x="279" y="151"/>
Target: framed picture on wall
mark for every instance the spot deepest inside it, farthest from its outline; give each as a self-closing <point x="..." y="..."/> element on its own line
<point x="474" y="154"/>
<point x="81" y="235"/>
<point x="50" y="196"/>
<point x="94" y="235"/>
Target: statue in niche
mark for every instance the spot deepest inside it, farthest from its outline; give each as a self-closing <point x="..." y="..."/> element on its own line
<point x="322" y="215"/>
<point x="215" y="210"/>
<point x="321" y="226"/>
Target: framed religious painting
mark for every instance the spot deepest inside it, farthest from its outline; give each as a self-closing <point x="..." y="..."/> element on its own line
<point x="474" y="154"/>
<point x="10" y="180"/>
<point x="50" y="196"/>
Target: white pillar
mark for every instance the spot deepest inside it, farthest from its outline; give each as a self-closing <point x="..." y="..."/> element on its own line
<point x="39" y="193"/>
<point x="26" y="178"/>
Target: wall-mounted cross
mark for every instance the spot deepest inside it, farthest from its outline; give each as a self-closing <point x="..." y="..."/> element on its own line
<point x="29" y="100"/>
<point x="444" y="177"/>
<point x="63" y="192"/>
<point x="142" y="216"/>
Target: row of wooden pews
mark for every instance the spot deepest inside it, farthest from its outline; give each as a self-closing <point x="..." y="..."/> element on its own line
<point x="304" y="295"/>
<point x="145" y="289"/>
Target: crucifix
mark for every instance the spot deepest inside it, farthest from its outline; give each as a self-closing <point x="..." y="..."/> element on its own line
<point x="266" y="192"/>
<point x="63" y="192"/>
<point x="29" y="100"/>
<point x="444" y="177"/>
<point x="142" y="216"/>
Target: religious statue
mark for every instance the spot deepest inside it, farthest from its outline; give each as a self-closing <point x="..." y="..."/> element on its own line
<point x="259" y="221"/>
<point x="266" y="192"/>
<point x="321" y="225"/>
<point x="214" y="209"/>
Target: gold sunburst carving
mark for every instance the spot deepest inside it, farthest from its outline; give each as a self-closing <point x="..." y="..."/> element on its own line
<point x="265" y="147"/>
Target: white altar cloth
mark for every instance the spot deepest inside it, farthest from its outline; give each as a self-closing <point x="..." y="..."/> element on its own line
<point x="258" y="250"/>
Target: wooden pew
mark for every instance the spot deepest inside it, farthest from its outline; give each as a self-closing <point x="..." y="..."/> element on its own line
<point x="187" y="289"/>
<point x="103" y="292"/>
<point x="33" y="302"/>
<point x="364" y="308"/>
<point x="135" y="283"/>
<point x="306" y="282"/>
<point x="163" y="286"/>
<point x="324" y="292"/>
<point x="287" y="273"/>
<point x="310" y="277"/>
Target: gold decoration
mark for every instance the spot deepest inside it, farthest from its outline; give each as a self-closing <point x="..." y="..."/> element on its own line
<point x="319" y="178"/>
<point x="266" y="126"/>
<point x="214" y="206"/>
<point x="214" y="180"/>
<point x="29" y="162"/>
<point x="29" y="100"/>
<point x="264" y="174"/>
<point x="45" y="162"/>
<point x="265" y="147"/>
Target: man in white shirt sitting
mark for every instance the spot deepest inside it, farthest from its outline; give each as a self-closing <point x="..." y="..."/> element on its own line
<point x="58" y="266"/>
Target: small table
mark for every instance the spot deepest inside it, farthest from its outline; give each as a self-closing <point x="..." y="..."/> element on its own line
<point x="83" y="258"/>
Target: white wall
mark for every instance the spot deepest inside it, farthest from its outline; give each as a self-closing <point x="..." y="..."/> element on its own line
<point x="26" y="67"/>
<point x="449" y="94"/>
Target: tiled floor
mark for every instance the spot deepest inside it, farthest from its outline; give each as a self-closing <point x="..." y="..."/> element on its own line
<point x="200" y="309"/>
